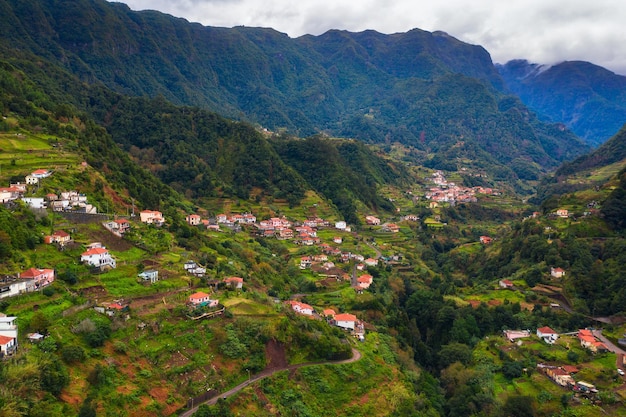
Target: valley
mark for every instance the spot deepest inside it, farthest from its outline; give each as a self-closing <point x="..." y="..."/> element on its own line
<point x="224" y="222"/>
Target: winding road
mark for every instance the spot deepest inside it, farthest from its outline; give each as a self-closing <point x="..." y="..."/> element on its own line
<point x="356" y="355"/>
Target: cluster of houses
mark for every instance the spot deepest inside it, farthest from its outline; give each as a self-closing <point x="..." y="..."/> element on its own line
<point x="563" y="376"/>
<point x="585" y="336"/>
<point x="386" y="227"/>
<point x="30" y="280"/>
<point x="449" y="192"/>
<point x="346" y="321"/>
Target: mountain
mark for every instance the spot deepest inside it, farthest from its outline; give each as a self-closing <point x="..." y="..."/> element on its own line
<point x="425" y="90"/>
<point x="588" y="99"/>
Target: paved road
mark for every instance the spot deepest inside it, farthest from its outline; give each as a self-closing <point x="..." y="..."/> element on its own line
<point x="613" y="348"/>
<point x="356" y="355"/>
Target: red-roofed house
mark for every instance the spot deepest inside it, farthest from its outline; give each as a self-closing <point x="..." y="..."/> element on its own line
<point x="202" y="299"/>
<point x="485" y="240"/>
<point x="345" y="321"/>
<point x="365" y="281"/>
<point x="41" y="277"/>
<point x="305" y="262"/>
<point x="235" y="282"/>
<point x="588" y="341"/>
<point x="557" y="272"/>
<point x="98" y="257"/>
<point x="8" y="345"/>
<point x="371" y="220"/>
<point x="371" y="262"/>
<point x="40" y="173"/>
<point x="301" y="308"/>
<point x="61" y="237"/>
<point x="193" y="219"/>
<point x="505" y="283"/>
<point x="547" y="334"/>
<point x="329" y="313"/>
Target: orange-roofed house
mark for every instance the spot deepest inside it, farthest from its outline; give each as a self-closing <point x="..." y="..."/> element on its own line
<point x="234" y="282"/>
<point x="8" y="345"/>
<point x="365" y="281"/>
<point x="98" y="257"/>
<point x="40" y="173"/>
<point x="345" y="321"/>
<point x="202" y="299"/>
<point x="557" y="272"/>
<point x="329" y="312"/>
<point x="41" y="277"/>
<point x="193" y="219"/>
<point x="371" y="262"/>
<point x="61" y="237"/>
<point x="301" y="308"/>
<point x="547" y="334"/>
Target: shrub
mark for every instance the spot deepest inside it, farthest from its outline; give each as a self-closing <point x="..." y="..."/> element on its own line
<point x="73" y="354"/>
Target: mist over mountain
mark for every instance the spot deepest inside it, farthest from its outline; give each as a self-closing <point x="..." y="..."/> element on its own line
<point x="588" y="99"/>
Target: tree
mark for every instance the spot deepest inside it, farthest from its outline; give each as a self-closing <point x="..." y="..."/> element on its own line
<point x="53" y="375"/>
<point x="518" y="406"/>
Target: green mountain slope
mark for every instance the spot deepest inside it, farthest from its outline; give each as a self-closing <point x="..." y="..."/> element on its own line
<point x="423" y="89"/>
<point x="588" y="99"/>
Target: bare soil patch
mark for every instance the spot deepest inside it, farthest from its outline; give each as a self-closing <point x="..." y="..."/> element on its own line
<point x="275" y="355"/>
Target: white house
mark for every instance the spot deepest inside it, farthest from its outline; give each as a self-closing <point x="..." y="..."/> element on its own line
<point x="202" y="299"/>
<point x="8" y="335"/>
<point x="345" y="321"/>
<point x="547" y="334"/>
<point x="301" y="308"/>
<point x="341" y="225"/>
<point x="151" y="275"/>
<point x="10" y="286"/>
<point x="98" y="257"/>
<point x="557" y="272"/>
<point x="35" y="202"/>
<point x="40" y="173"/>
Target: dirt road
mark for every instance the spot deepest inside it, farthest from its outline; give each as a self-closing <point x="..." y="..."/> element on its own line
<point x="356" y="355"/>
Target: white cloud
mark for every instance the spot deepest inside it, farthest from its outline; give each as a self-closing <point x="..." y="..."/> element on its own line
<point x="543" y="31"/>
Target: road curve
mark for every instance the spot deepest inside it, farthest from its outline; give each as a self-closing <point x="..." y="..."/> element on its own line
<point x="356" y="355"/>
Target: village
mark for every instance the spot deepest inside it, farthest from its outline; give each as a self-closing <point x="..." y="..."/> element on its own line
<point x="327" y="261"/>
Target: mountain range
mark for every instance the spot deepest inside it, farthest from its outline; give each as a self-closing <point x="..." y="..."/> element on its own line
<point x="588" y="99"/>
<point x="428" y="91"/>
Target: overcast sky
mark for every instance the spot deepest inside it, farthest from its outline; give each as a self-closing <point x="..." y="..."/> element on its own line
<point x="542" y="31"/>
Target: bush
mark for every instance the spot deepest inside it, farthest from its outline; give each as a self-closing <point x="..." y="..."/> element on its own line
<point x="73" y="354"/>
<point x="48" y="291"/>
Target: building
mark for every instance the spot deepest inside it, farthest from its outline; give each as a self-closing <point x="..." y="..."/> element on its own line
<point x="202" y="299"/>
<point x="152" y="217"/>
<point x="193" y="219"/>
<point x="40" y="277"/>
<point x="547" y="334"/>
<point x="345" y="321"/>
<point x="557" y="272"/>
<point x="505" y="283"/>
<point x="301" y="308"/>
<point x="234" y="282"/>
<point x="8" y="335"/>
<point x="151" y="275"/>
<point x="98" y="257"/>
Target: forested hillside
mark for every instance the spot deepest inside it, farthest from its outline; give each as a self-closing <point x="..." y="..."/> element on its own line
<point x="421" y="89"/>
<point x="588" y="99"/>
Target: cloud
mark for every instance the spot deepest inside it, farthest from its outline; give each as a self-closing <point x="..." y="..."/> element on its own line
<point x="538" y="30"/>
